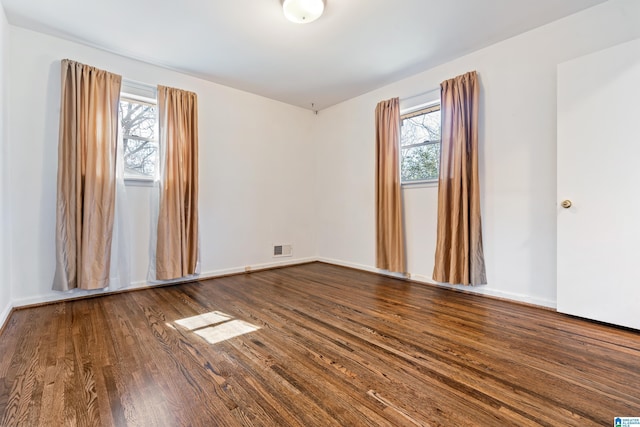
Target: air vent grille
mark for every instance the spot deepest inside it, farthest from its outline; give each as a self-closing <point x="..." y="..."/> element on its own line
<point x="282" y="251"/>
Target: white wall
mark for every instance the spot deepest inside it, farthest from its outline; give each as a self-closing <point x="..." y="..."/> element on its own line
<point x="5" y="246"/>
<point x="517" y="158"/>
<point x="256" y="168"/>
<point x="273" y="173"/>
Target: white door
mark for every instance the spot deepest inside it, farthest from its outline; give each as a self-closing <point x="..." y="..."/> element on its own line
<point x="599" y="173"/>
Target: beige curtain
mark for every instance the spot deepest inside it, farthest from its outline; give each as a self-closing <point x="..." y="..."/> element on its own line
<point x="177" y="239"/>
<point x="459" y="254"/>
<point x="86" y="176"/>
<point x="389" y="226"/>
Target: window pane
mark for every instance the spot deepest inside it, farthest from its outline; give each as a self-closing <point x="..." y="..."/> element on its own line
<point x="420" y="145"/>
<point x="138" y="127"/>
<point x="138" y="119"/>
<point x="420" y="163"/>
<point x="140" y="157"/>
<point x="425" y="127"/>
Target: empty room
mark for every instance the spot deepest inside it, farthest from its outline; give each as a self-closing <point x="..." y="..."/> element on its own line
<point x="319" y="213"/>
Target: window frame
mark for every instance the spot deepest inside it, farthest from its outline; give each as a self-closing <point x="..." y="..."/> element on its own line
<point x="414" y="112"/>
<point x="141" y="94"/>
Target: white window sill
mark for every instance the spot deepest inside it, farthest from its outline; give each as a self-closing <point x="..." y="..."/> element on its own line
<point x="139" y="182"/>
<point x="431" y="183"/>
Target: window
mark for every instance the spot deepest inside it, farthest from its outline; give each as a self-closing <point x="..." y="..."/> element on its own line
<point x="420" y="145"/>
<point x="139" y="130"/>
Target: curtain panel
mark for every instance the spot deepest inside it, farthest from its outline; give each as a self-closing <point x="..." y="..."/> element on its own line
<point x="86" y="185"/>
<point x="390" y="245"/>
<point x="177" y="244"/>
<point x="459" y="254"/>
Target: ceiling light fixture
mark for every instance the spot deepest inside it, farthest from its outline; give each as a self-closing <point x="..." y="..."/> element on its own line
<point x="302" y="11"/>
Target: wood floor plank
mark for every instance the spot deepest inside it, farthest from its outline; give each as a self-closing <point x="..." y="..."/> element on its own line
<point x="312" y="345"/>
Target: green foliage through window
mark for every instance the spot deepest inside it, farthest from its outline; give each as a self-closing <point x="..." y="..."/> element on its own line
<point x="420" y="145"/>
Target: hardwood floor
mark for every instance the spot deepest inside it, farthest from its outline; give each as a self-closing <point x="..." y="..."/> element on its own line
<point x="322" y="346"/>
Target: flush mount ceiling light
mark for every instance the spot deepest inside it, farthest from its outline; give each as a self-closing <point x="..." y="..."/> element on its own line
<point x="302" y="11"/>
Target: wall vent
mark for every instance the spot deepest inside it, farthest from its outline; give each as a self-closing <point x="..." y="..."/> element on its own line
<point x="282" y="251"/>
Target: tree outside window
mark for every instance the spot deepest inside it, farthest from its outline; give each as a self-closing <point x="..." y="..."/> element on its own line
<point x="138" y="121"/>
<point x="420" y="145"/>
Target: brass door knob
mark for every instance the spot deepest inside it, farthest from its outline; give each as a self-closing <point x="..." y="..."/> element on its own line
<point x="566" y="204"/>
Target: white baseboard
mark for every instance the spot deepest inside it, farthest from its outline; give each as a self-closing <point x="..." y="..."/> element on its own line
<point x="4" y="315"/>
<point x="229" y="271"/>
<point x="57" y="296"/>
<point x="62" y="296"/>
<point x="363" y="267"/>
<point x="480" y="290"/>
<point x="484" y="290"/>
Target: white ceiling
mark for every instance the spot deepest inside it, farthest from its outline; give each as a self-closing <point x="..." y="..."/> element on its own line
<point x="355" y="47"/>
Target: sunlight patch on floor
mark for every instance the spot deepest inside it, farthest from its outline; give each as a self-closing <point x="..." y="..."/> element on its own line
<point x="202" y="320"/>
<point x="225" y="331"/>
<point x="215" y="326"/>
